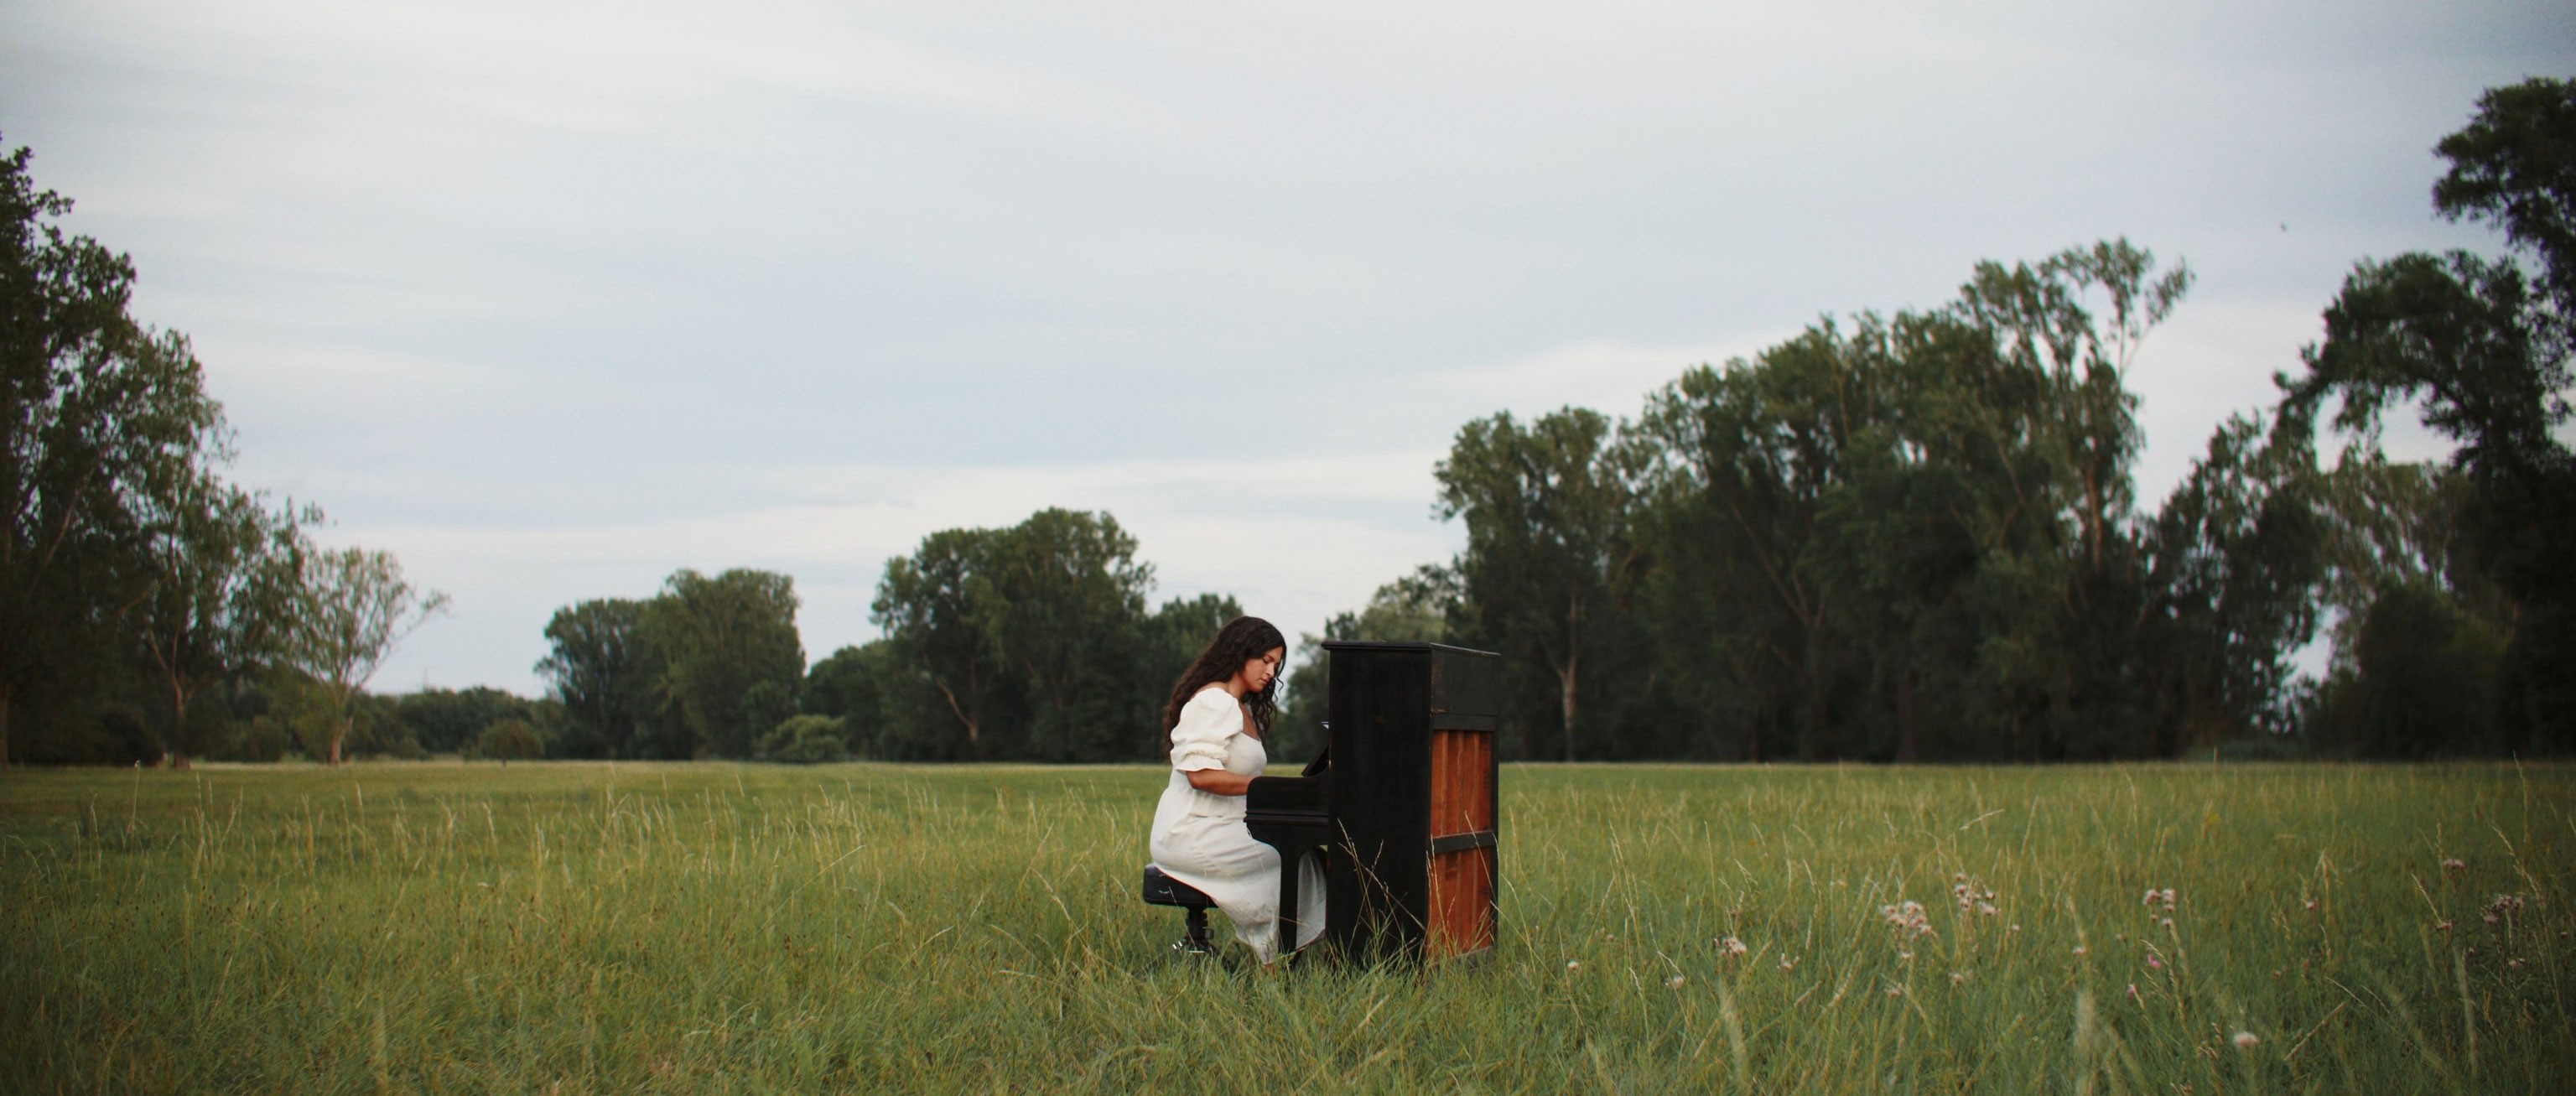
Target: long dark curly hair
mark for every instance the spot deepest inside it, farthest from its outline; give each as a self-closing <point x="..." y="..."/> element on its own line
<point x="1242" y="640"/>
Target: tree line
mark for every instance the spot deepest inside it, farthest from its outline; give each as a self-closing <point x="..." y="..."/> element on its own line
<point x="1034" y="642"/>
<point x="1907" y="536"/>
<point x="1916" y="537"/>
<point x="149" y="608"/>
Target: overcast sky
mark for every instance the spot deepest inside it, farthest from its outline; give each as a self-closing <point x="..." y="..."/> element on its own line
<point x="553" y="299"/>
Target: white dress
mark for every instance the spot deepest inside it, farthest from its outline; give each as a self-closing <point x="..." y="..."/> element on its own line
<point x="1200" y="839"/>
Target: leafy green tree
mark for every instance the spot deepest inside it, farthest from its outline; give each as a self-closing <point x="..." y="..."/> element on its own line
<point x="2234" y="559"/>
<point x="1034" y="638"/>
<point x="930" y="605"/>
<point x="510" y="740"/>
<point x="1548" y="542"/>
<point x="734" y="658"/>
<point x="2419" y="680"/>
<point x="805" y="740"/>
<point x="884" y="702"/>
<point x="2484" y="346"/>
<point x="1063" y="600"/>
<point x="94" y="410"/>
<point x="451" y="720"/>
<point x="352" y="609"/>
<point x="223" y="573"/>
<point x="608" y="674"/>
<point x="1910" y="536"/>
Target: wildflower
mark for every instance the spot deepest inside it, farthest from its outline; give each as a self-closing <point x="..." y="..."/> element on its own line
<point x="1731" y="946"/>
<point x="1896" y="991"/>
<point x="1572" y="965"/>
<point x="2445" y="925"/>
<point x="1906" y="956"/>
<point x="2079" y="949"/>
<point x="2505" y="905"/>
<point x="1788" y="963"/>
<point x="2245" y="1040"/>
<point x="2515" y="964"/>
<point x="2307" y="904"/>
<point x="2155" y="897"/>
<point x="1987" y="909"/>
<point x="2014" y="927"/>
<point x="2154" y="963"/>
<point x="2133" y="991"/>
<point x="1675" y="982"/>
<point x="2167" y="922"/>
<point x="1970" y="892"/>
<point x="2454" y="866"/>
<point x="1960" y="977"/>
<point x="1907" y="919"/>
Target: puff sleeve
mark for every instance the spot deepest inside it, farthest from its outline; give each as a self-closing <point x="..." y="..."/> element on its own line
<point x="1198" y="740"/>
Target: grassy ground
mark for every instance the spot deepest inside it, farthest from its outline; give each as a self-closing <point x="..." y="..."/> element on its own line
<point x="596" y="928"/>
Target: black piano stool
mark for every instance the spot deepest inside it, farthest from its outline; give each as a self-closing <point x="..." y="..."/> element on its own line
<point x="1163" y="890"/>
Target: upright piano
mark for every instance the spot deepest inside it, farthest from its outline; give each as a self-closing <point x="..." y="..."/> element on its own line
<point x="1401" y="804"/>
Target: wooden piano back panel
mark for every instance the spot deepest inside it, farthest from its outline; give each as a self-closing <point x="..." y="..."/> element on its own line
<point x="1462" y="902"/>
<point x="1462" y="782"/>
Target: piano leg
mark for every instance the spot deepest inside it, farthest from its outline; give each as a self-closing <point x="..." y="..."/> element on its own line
<point x="1286" y="923"/>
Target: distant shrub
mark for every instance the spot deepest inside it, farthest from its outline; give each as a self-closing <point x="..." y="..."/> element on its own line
<point x="509" y="740"/>
<point x="805" y="740"/>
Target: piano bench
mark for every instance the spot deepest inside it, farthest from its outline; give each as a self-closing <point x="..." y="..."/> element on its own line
<point x="1163" y="890"/>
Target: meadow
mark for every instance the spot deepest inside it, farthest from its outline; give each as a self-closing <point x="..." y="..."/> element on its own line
<point x="450" y="927"/>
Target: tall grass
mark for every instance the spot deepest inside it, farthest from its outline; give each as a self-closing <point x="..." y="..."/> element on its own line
<point x="629" y="927"/>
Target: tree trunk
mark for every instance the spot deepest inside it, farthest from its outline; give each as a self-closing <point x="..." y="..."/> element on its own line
<point x="1906" y="740"/>
<point x="974" y="740"/>
<point x="4" y="725"/>
<point x="339" y="734"/>
<point x="174" y="754"/>
<point x="1573" y="660"/>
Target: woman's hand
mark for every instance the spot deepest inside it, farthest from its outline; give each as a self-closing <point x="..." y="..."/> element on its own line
<point x="1219" y="782"/>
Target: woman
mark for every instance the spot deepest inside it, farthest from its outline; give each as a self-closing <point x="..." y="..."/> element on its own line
<point x="1213" y="726"/>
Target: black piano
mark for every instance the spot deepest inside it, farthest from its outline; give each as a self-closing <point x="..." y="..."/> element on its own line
<point x="1400" y="804"/>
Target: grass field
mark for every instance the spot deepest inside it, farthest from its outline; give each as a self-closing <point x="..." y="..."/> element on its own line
<point x="595" y="928"/>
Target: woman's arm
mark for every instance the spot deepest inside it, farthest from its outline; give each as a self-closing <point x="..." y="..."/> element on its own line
<point x="1219" y="782"/>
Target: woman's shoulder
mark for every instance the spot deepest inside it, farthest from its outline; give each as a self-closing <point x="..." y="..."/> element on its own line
<point x="1213" y="698"/>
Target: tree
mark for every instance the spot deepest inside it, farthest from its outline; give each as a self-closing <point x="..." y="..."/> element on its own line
<point x="806" y="740"/>
<point x="608" y="674"/>
<point x="1548" y="543"/>
<point x="93" y="410"/>
<point x="223" y="573"/>
<point x="509" y="739"/>
<point x="452" y="720"/>
<point x="885" y="705"/>
<point x="352" y="609"/>
<point x="734" y="660"/>
<point x="2234" y="559"/>
<point x="1062" y="604"/>
<point x="1908" y="535"/>
<point x="929" y="605"/>
<point x="2485" y="346"/>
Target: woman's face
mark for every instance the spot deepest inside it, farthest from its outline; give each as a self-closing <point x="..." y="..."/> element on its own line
<point x="1258" y="672"/>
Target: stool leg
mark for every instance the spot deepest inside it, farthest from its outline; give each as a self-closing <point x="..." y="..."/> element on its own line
<point x="1197" y="938"/>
